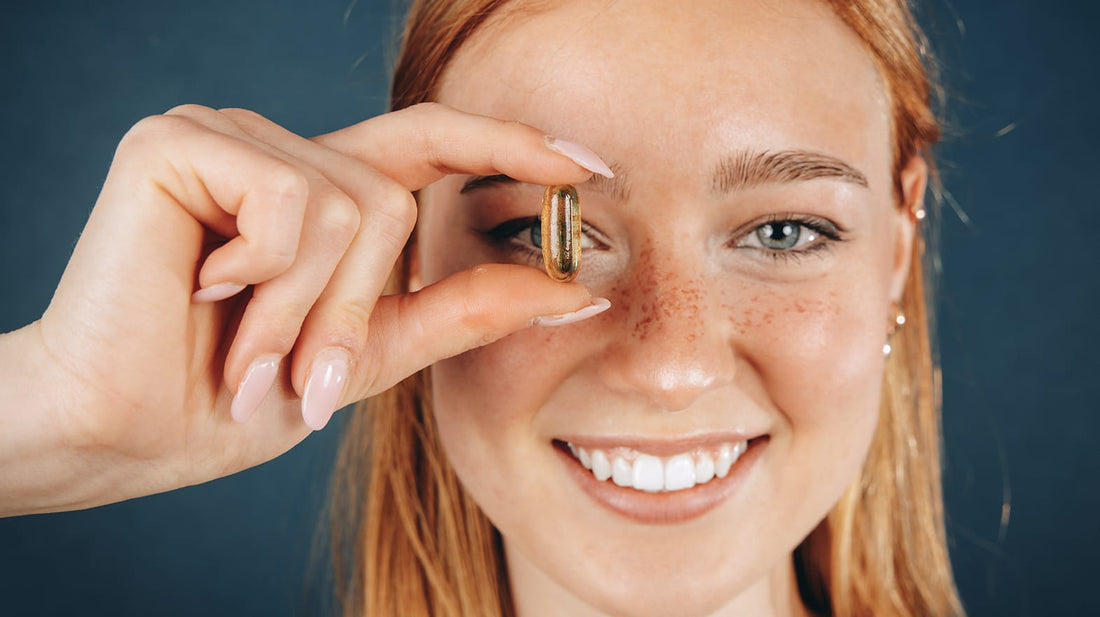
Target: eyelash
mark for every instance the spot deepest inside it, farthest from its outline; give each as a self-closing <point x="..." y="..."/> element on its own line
<point x="508" y="234"/>
<point x="827" y="234"/>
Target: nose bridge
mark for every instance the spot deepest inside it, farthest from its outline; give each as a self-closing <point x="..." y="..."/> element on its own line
<point x="672" y="343"/>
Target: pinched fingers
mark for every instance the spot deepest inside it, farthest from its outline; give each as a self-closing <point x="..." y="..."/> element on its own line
<point x="420" y="144"/>
<point x="465" y="310"/>
<point x="378" y="163"/>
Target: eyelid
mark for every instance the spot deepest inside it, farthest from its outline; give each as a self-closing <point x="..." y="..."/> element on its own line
<point x="821" y="225"/>
<point x="511" y="229"/>
<point x="829" y="234"/>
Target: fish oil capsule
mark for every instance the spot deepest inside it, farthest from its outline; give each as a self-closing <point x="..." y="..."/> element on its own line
<point x="561" y="232"/>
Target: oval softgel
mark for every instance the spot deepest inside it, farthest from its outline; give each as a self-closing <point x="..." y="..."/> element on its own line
<point x="561" y="232"/>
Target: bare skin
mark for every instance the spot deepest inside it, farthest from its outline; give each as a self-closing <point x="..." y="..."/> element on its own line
<point x="709" y="334"/>
<point x="125" y="385"/>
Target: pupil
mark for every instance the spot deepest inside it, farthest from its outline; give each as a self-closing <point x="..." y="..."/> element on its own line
<point x="779" y="237"/>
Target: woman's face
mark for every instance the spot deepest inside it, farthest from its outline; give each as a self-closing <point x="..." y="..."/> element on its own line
<point x="750" y="246"/>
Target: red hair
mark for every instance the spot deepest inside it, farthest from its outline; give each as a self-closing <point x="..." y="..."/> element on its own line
<point x="414" y="543"/>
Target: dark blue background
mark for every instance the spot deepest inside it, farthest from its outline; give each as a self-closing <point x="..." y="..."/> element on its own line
<point x="1016" y="300"/>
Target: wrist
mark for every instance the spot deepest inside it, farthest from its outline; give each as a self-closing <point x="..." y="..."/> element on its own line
<point x="44" y="467"/>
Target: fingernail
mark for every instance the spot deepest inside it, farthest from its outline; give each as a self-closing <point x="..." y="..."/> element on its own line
<point x="326" y="380"/>
<point x="215" y="293"/>
<point x="254" y="387"/>
<point x="598" y="306"/>
<point x="580" y="155"/>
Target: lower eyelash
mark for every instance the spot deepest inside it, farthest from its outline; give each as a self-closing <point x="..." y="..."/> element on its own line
<point x="796" y="255"/>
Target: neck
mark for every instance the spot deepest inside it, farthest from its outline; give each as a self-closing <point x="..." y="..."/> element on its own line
<point x="775" y="594"/>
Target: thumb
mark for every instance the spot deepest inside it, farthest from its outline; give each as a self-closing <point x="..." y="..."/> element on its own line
<point x="465" y="310"/>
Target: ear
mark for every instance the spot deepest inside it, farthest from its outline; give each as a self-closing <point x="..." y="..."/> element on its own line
<point x="914" y="181"/>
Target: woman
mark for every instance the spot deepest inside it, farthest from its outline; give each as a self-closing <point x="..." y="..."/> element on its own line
<point x="729" y="437"/>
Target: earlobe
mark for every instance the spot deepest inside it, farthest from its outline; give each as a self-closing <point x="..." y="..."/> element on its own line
<point x="913" y="181"/>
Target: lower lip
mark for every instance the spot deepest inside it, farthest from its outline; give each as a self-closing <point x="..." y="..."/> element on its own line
<point x="667" y="507"/>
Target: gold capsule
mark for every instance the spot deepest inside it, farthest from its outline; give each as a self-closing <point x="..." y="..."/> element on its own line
<point x="561" y="232"/>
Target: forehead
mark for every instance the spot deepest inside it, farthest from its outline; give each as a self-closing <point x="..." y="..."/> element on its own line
<point x="703" y="74"/>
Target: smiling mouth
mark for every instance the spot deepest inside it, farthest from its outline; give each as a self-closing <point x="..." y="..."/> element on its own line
<point x="660" y="482"/>
<point x="630" y="468"/>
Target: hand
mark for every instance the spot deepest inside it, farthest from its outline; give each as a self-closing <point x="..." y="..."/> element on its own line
<point x="136" y="379"/>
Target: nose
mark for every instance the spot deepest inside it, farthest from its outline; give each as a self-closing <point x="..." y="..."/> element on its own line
<point x="672" y="343"/>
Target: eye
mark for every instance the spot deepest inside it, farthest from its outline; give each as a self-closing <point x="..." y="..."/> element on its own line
<point x="790" y="235"/>
<point x="526" y="234"/>
<point x="781" y="236"/>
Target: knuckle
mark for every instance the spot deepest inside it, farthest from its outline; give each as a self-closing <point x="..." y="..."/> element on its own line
<point x="278" y="255"/>
<point x="190" y="110"/>
<point x="240" y="114"/>
<point x="475" y="316"/>
<point x="285" y="180"/>
<point x="339" y="215"/>
<point x="153" y="130"/>
<point x="398" y="211"/>
<point x="348" y="323"/>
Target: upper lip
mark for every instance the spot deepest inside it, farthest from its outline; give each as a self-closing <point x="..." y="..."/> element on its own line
<point x="662" y="446"/>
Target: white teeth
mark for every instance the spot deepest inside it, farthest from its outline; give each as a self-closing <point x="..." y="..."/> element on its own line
<point x="649" y="473"/>
<point x="622" y="472"/>
<point x="704" y="469"/>
<point x="645" y="472"/>
<point x="601" y="467"/>
<point x="724" y="461"/>
<point x="727" y="456"/>
<point x="679" y="473"/>
<point x="586" y="460"/>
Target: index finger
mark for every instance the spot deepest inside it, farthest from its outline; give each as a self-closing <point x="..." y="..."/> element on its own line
<point x="418" y="145"/>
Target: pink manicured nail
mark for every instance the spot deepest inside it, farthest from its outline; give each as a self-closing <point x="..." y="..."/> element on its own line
<point x="254" y="387"/>
<point x="580" y="155"/>
<point x="216" y="293"/>
<point x="326" y="380"/>
<point x="598" y="306"/>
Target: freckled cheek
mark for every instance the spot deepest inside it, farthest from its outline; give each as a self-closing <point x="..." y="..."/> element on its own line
<point x="818" y="354"/>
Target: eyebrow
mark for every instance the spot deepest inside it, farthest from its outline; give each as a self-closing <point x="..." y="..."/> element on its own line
<point x="739" y="171"/>
<point x="747" y="169"/>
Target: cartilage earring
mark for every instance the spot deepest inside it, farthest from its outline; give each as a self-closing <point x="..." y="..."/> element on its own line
<point x="895" y="324"/>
